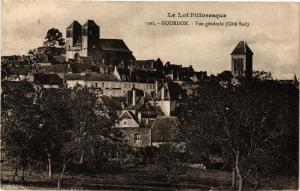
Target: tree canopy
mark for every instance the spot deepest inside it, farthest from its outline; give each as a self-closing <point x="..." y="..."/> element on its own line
<point x="54" y="38"/>
<point x="248" y="125"/>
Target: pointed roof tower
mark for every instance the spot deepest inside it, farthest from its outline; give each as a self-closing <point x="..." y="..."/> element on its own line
<point x="242" y="48"/>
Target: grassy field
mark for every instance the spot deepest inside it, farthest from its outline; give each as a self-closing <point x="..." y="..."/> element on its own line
<point x="141" y="177"/>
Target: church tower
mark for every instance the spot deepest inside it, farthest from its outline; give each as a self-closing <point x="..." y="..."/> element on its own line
<point x="73" y="35"/>
<point x="241" y="60"/>
<point x="90" y="37"/>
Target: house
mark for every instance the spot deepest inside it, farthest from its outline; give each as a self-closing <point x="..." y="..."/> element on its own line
<point x="172" y="71"/>
<point x="164" y="130"/>
<point x="199" y="76"/>
<point x="59" y="69"/>
<point x="168" y="97"/>
<point x="149" y="65"/>
<point x="178" y="73"/>
<point x="135" y="133"/>
<point x="143" y="124"/>
<point x="135" y="121"/>
<point x="146" y="76"/>
<point x="110" y="85"/>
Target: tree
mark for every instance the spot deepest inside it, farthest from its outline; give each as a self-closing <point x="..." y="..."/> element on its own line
<point x="20" y="119"/>
<point x="54" y="125"/>
<point x="167" y="156"/>
<point x="54" y="38"/>
<point x="93" y="125"/>
<point x="248" y="125"/>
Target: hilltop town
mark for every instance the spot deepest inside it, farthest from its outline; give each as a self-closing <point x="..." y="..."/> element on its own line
<point x="148" y="96"/>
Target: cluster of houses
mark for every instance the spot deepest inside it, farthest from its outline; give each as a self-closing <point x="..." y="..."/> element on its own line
<point x="149" y="90"/>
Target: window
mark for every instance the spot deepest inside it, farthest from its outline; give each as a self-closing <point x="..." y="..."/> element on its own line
<point x="68" y="33"/>
<point x="96" y="84"/>
<point x="124" y="122"/>
<point x="136" y="137"/>
<point x="102" y="84"/>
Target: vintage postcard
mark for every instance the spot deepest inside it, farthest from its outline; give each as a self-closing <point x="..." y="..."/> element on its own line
<point x="149" y="95"/>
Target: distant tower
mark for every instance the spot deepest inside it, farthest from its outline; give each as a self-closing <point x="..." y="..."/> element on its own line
<point x="90" y="37"/>
<point x="73" y="35"/>
<point x="241" y="60"/>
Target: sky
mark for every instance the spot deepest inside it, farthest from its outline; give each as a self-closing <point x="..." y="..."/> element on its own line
<point x="273" y="33"/>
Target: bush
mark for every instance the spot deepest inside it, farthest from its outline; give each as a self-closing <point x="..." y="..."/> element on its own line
<point x="145" y="154"/>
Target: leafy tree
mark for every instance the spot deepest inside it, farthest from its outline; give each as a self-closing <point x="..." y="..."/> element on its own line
<point x="20" y="119"/>
<point x="68" y="156"/>
<point x="54" y="38"/>
<point x="247" y="124"/>
<point x="93" y="130"/>
<point x="167" y="156"/>
<point x="54" y="125"/>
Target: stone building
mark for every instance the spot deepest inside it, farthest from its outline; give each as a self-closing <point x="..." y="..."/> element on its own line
<point x="110" y="85"/>
<point x="144" y="124"/>
<point x="241" y="60"/>
<point x="84" y="40"/>
<point x="149" y="65"/>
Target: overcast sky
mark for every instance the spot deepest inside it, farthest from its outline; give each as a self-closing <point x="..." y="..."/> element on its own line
<point x="273" y="34"/>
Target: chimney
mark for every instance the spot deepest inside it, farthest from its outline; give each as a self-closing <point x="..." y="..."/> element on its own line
<point x="163" y="93"/>
<point x="178" y="76"/>
<point x="130" y="71"/>
<point x="139" y="117"/>
<point x="123" y="105"/>
<point x="156" y="87"/>
<point x="133" y="96"/>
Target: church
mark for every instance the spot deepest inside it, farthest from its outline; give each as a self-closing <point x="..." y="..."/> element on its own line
<point x="84" y="41"/>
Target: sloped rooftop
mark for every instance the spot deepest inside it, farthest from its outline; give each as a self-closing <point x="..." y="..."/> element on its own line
<point x="49" y="79"/>
<point x="91" y="77"/>
<point x="113" y="45"/>
<point x="165" y="129"/>
<point x="242" y="48"/>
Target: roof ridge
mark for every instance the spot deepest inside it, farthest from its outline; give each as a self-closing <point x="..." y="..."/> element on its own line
<point x="111" y="39"/>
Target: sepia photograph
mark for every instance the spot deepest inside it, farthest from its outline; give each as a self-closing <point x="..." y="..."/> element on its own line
<point x="149" y="95"/>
